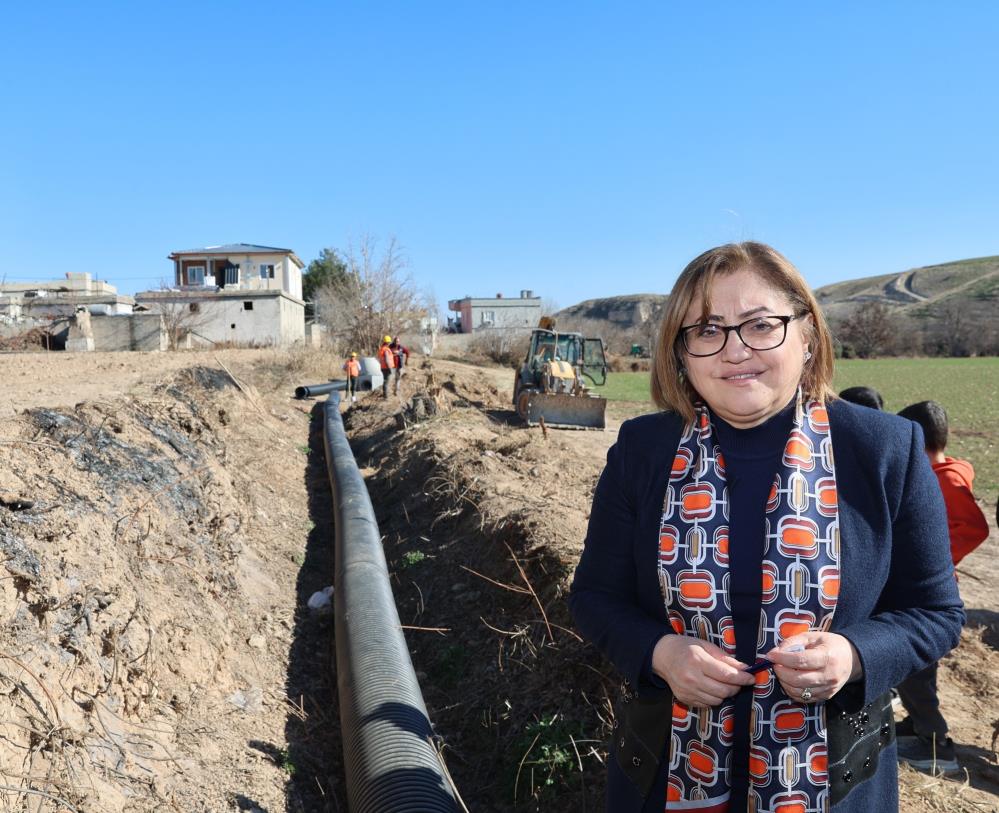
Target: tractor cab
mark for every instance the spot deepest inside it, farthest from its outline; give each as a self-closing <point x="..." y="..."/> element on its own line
<point x="585" y="355"/>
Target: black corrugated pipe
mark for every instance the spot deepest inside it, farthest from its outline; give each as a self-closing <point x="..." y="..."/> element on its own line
<point x="389" y="759"/>
<point x="312" y="390"/>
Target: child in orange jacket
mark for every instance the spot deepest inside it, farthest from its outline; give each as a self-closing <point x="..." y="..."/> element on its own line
<point x="922" y="737"/>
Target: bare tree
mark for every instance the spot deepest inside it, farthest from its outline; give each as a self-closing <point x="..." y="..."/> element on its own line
<point x="506" y="346"/>
<point x="376" y="298"/>
<point x="908" y="335"/>
<point x="430" y="327"/>
<point x="868" y="331"/>
<point x="957" y="333"/>
<point x="615" y="338"/>
<point x="181" y="316"/>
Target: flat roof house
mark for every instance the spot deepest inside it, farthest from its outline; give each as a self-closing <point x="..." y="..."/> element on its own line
<point x="480" y="313"/>
<point x="54" y="298"/>
<point x="238" y="293"/>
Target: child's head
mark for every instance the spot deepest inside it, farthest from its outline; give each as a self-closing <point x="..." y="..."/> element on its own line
<point x="865" y="396"/>
<point x="931" y="416"/>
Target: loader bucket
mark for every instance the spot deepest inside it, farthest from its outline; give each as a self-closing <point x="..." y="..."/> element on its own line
<point x="566" y="411"/>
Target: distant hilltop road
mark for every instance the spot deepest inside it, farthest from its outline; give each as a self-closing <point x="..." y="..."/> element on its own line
<point x="969" y="285"/>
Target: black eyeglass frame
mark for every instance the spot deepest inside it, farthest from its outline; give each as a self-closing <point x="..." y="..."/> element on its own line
<point x="738" y="332"/>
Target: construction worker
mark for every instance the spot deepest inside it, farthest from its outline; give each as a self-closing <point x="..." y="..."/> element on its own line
<point x="386" y="358"/>
<point x="401" y="354"/>
<point x="352" y="367"/>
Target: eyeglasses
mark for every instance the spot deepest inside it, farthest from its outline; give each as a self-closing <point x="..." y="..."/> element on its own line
<point x="758" y="333"/>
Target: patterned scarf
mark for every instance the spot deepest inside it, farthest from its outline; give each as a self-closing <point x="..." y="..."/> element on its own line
<point x="788" y="753"/>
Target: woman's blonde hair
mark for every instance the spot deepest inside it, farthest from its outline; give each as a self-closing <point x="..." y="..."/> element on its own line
<point x="671" y="390"/>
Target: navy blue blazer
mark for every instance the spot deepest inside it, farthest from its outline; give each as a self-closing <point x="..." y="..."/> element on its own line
<point x="898" y="602"/>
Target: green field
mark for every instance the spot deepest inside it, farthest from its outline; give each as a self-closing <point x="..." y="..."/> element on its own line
<point x="967" y="388"/>
<point x="626" y="387"/>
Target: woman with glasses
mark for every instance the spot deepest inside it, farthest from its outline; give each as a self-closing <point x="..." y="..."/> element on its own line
<point x="763" y="562"/>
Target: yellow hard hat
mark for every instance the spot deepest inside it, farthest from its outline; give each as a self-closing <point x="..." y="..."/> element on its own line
<point x="387" y="340"/>
<point x="353" y="355"/>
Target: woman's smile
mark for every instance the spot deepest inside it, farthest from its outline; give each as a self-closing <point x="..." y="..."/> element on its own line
<point x="743" y="376"/>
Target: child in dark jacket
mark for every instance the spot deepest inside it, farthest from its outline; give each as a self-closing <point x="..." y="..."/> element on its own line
<point x="922" y="738"/>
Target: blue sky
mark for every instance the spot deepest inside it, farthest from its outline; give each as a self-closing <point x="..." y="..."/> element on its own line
<point x="578" y="149"/>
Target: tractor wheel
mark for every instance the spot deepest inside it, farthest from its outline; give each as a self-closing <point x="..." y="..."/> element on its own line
<point x="522" y="400"/>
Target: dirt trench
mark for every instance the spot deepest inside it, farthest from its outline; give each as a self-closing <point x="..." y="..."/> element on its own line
<point x="157" y="552"/>
<point x="482" y="519"/>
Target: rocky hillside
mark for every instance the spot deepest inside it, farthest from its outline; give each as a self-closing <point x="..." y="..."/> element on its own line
<point x="619" y="320"/>
<point x="625" y="312"/>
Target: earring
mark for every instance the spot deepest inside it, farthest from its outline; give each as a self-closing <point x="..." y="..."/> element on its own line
<point x="808" y="355"/>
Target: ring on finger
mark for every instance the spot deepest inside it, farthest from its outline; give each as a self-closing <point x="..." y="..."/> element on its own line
<point x="806" y="694"/>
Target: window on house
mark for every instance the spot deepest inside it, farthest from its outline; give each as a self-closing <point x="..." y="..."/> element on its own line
<point x="195" y="307"/>
<point x="231" y="274"/>
<point x="267" y="272"/>
<point x="247" y="306"/>
<point x="195" y="275"/>
<point x="488" y="317"/>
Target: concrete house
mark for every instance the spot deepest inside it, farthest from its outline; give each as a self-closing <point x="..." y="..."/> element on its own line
<point x="476" y="314"/>
<point x="55" y="298"/>
<point x="58" y="308"/>
<point x="238" y="293"/>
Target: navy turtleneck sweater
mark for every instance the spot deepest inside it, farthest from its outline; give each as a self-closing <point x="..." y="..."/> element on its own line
<point x="751" y="460"/>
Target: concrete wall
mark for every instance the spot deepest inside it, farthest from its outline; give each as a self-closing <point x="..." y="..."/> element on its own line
<point x="315" y="334"/>
<point x="292" y="317"/>
<point x="137" y="331"/>
<point x="254" y="319"/>
<point x="76" y="281"/>
<point x="41" y="307"/>
<point x="500" y="314"/>
<point x="10" y="307"/>
<point x="293" y="278"/>
<point x="249" y="272"/>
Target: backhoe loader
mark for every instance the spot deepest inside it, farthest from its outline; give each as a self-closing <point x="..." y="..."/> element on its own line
<point x="549" y="384"/>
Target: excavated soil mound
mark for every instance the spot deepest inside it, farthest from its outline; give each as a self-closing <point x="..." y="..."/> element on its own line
<point x="156" y="553"/>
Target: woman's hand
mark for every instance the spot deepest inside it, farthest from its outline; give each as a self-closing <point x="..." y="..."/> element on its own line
<point x="698" y="673"/>
<point x="827" y="662"/>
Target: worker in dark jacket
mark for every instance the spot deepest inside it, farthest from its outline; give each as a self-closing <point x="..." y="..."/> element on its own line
<point x="763" y="562"/>
<point x="401" y="354"/>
